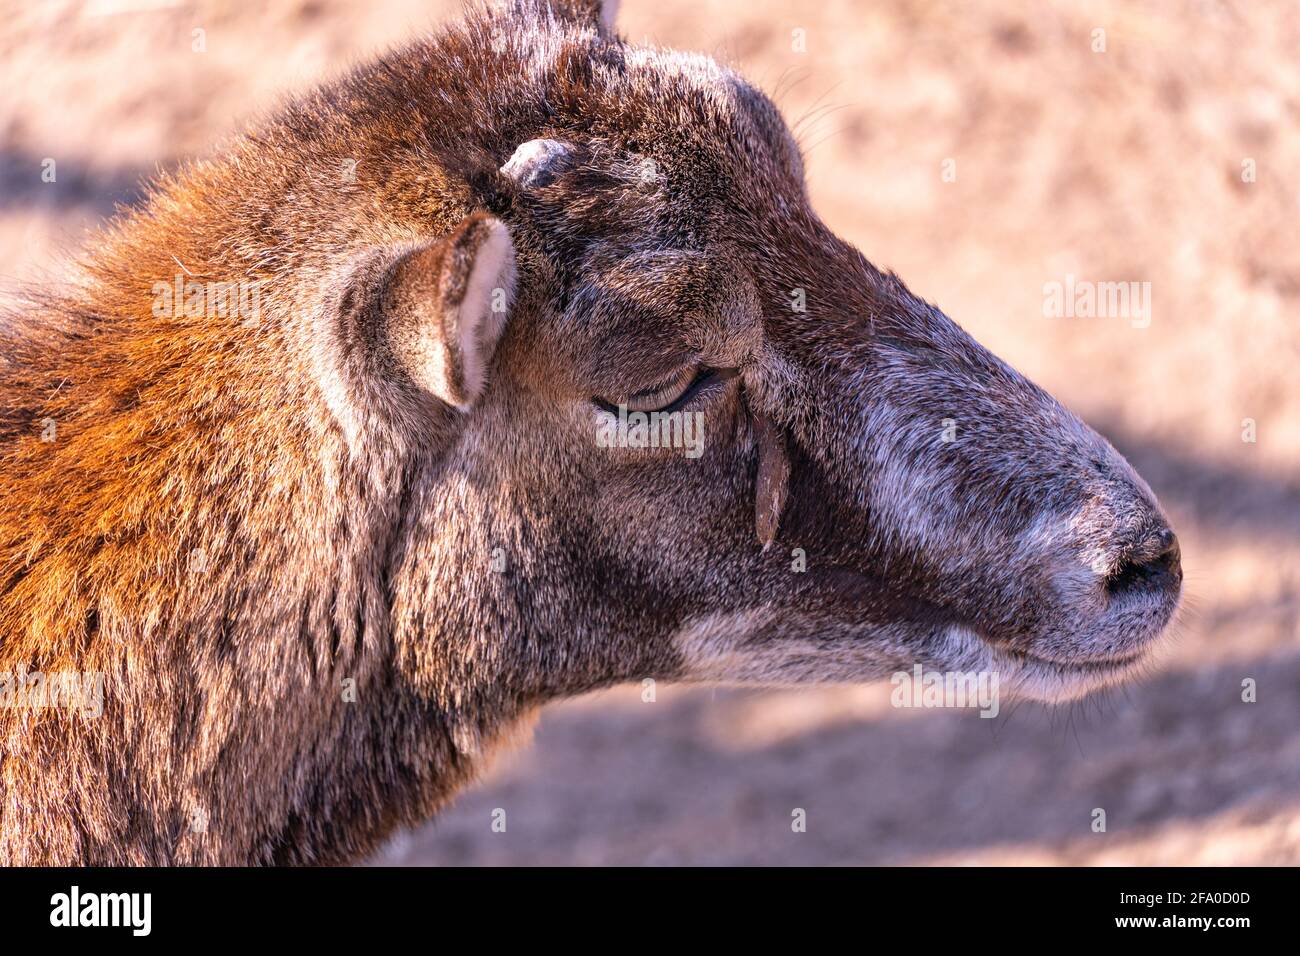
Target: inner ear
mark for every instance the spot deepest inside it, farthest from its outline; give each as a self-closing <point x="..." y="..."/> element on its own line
<point x="773" y="478"/>
<point x="443" y="306"/>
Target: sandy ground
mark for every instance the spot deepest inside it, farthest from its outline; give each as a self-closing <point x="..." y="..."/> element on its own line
<point x="981" y="152"/>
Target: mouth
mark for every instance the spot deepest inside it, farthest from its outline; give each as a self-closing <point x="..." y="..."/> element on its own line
<point x="1108" y="640"/>
<point x="1103" y="643"/>
<point x="1055" y="680"/>
<point x="1100" y="666"/>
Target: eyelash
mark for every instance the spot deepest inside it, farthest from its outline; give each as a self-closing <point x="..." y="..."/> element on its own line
<point x="705" y="380"/>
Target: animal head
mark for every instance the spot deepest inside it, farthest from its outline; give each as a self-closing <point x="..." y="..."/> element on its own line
<point x="706" y="438"/>
<point x="554" y="380"/>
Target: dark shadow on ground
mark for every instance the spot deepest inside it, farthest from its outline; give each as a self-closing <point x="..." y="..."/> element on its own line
<point x="77" y="184"/>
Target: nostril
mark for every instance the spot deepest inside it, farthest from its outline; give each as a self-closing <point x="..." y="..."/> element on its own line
<point x="1170" y="556"/>
<point x="1158" y="564"/>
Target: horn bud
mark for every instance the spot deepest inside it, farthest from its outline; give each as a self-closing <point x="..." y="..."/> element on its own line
<point x="537" y="162"/>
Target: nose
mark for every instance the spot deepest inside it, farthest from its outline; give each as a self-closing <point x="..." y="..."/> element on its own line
<point x="1155" y="563"/>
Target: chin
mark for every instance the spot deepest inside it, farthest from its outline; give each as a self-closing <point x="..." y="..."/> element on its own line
<point x="1056" y="679"/>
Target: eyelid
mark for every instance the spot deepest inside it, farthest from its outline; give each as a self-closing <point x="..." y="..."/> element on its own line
<point x="665" y="392"/>
<point x="702" y="378"/>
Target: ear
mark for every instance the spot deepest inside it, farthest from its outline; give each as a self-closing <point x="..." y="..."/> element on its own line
<point x="442" y="307"/>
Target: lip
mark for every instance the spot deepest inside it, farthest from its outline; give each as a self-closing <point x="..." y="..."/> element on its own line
<point x="1039" y="677"/>
<point x="1084" y="666"/>
<point x="1048" y="679"/>
<point x="1135" y="618"/>
<point x="1033" y="674"/>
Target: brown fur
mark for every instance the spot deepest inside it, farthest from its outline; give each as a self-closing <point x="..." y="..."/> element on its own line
<point x="466" y="557"/>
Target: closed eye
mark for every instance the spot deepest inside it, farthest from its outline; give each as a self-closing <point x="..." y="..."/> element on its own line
<point x="673" y="395"/>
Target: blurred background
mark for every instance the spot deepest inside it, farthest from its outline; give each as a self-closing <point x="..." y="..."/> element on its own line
<point x="981" y="152"/>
